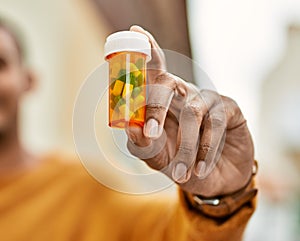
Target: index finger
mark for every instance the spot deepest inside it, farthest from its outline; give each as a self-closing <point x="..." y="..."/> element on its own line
<point x="158" y="62"/>
<point x="152" y="41"/>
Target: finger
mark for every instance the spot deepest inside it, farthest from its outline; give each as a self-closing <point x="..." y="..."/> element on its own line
<point x="190" y="121"/>
<point x="153" y="152"/>
<point x="158" y="57"/>
<point x="152" y="40"/>
<point x="212" y="140"/>
<point x="136" y="136"/>
<point x="139" y="29"/>
<point x="159" y="99"/>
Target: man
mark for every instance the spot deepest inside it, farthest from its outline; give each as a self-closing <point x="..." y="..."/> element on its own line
<point x="46" y="198"/>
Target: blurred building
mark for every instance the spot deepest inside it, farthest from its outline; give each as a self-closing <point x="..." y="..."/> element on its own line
<point x="279" y="125"/>
<point x="280" y="111"/>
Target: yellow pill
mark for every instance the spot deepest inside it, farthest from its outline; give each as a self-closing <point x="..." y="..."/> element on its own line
<point x="133" y="67"/>
<point x="118" y="87"/>
<point x="139" y="101"/>
<point x="127" y="90"/>
<point x="134" y="70"/>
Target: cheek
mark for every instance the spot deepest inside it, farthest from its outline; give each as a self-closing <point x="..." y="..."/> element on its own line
<point x="10" y="93"/>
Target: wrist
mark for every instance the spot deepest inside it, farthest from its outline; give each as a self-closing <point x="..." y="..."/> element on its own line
<point x="225" y="205"/>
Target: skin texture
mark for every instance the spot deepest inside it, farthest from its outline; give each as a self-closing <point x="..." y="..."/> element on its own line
<point x="15" y="81"/>
<point x="198" y="138"/>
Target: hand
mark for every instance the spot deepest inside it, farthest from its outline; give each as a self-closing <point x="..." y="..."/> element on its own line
<point x="198" y="138"/>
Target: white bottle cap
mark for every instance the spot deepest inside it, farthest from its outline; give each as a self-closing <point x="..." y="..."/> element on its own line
<point x="127" y="41"/>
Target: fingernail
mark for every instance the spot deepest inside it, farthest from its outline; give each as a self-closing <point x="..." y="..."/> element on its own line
<point x="200" y="168"/>
<point x="137" y="27"/>
<point x="152" y="128"/>
<point x="179" y="173"/>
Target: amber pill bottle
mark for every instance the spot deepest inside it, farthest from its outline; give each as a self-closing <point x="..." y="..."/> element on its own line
<point x="127" y="54"/>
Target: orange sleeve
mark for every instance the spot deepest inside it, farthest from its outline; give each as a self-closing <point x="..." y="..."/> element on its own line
<point x="159" y="219"/>
<point x="62" y="202"/>
<point x="109" y="215"/>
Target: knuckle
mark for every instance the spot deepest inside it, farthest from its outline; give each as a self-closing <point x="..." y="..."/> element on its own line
<point x="208" y="94"/>
<point x="206" y="147"/>
<point x="156" y="112"/>
<point x="162" y="77"/>
<point x="218" y="120"/>
<point x="167" y="79"/>
<point x="229" y="102"/>
<point x="232" y="109"/>
<point x="185" y="150"/>
<point x="194" y="109"/>
<point x="210" y="99"/>
<point x="155" y="109"/>
<point x="204" y="151"/>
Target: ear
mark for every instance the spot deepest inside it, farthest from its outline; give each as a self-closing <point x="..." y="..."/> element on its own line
<point x="30" y="80"/>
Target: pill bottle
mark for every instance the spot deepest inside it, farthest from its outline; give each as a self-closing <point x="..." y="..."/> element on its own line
<point x="127" y="54"/>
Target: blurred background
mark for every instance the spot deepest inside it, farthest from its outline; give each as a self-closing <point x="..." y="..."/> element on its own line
<point x="250" y="49"/>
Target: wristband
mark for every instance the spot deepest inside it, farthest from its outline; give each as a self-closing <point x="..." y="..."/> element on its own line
<point x="226" y="205"/>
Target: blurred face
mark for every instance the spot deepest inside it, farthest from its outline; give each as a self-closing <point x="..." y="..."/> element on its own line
<point x="12" y="80"/>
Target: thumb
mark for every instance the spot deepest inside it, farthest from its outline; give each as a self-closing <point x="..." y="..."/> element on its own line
<point x="135" y="135"/>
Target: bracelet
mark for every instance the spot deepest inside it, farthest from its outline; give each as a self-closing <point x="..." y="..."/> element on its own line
<point x="225" y="205"/>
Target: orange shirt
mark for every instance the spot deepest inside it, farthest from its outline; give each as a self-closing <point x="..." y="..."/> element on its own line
<point x="60" y="201"/>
